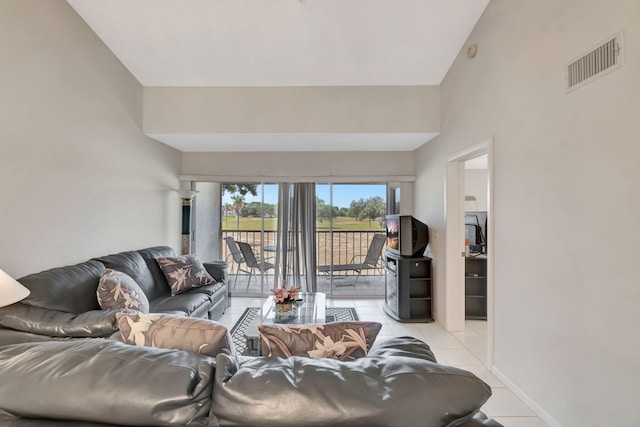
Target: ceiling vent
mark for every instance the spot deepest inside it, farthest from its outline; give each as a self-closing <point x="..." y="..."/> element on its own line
<point x="595" y="63"/>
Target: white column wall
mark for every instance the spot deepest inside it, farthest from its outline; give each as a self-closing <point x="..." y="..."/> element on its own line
<point x="566" y="180"/>
<point x="286" y="110"/>
<point x="78" y="177"/>
<point x="300" y="164"/>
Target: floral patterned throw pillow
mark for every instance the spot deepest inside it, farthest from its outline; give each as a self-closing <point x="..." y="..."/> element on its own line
<point x="118" y="290"/>
<point x="201" y="336"/>
<point x="339" y="340"/>
<point x="184" y="272"/>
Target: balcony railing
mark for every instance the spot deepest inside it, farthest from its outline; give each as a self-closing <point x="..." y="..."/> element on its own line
<point x="347" y="245"/>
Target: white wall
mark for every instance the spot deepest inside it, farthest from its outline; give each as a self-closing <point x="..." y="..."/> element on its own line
<point x="475" y="184"/>
<point x="566" y="181"/>
<point x="78" y="178"/>
<point x="300" y="164"/>
<point x="277" y="110"/>
<point x="206" y="214"/>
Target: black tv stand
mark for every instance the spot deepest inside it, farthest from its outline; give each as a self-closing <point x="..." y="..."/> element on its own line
<point x="475" y="284"/>
<point x="408" y="290"/>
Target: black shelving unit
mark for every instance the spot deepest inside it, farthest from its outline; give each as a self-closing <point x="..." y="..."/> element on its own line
<point x="475" y="284"/>
<point x="408" y="290"/>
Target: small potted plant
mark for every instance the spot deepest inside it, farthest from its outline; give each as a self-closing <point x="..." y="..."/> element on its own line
<point x="285" y="297"/>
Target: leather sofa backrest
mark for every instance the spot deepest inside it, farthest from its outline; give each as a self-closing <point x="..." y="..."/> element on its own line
<point x="132" y="264"/>
<point x="71" y="289"/>
<point x="149" y="256"/>
<point x="107" y="382"/>
<point x="390" y="391"/>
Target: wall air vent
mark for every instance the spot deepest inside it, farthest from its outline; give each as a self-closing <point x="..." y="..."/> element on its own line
<point x="595" y="63"/>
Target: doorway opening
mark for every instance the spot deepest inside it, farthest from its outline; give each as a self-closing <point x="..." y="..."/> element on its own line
<point x="469" y="248"/>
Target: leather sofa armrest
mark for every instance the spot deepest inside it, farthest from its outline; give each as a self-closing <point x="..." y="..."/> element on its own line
<point x="105" y="381"/>
<point x="402" y="346"/>
<point x="217" y="270"/>
<point x="53" y="323"/>
<point x="8" y="420"/>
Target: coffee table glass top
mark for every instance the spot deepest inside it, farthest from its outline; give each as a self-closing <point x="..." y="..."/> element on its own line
<point x="312" y="310"/>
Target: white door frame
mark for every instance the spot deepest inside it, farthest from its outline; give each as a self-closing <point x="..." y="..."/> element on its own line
<point x="454" y="226"/>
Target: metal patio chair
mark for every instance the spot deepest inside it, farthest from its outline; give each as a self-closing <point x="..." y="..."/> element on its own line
<point x="371" y="261"/>
<point x="236" y="256"/>
<point x="253" y="262"/>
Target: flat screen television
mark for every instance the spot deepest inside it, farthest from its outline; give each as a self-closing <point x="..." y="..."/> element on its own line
<point x="406" y="236"/>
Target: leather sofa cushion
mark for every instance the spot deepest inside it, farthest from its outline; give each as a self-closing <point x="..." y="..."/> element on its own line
<point x="188" y="302"/>
<point x="71" y="288"/>
<point x="370" y="391"/>
<point x="12" y="336"/>
<point x="36" y="320"/>
<point x="211" y="289"/>
<point x="105" y="381"/>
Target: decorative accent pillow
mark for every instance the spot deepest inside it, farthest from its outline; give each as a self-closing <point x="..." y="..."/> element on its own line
<point x="338" y="340"/>
<point x="118" y="290"/>
<point x="199" y="336"/>
<point x="184" y="272"/>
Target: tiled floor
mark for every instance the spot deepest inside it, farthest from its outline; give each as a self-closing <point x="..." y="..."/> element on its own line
<point x="466" y="350"/>
<point x="370" y="285"/>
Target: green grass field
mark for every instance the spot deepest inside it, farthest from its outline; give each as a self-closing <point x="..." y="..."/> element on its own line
<point x="339" y="223"/>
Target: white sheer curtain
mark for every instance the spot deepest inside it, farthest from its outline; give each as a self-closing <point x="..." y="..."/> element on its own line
<point x="296" y="236"/>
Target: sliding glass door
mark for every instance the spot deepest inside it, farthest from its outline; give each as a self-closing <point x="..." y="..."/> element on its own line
<point x="248" y="234"/>
<point x="349" y="256"/>
<point x="339" y="254"/>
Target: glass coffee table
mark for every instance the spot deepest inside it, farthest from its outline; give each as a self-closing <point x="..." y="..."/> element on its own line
<point x="312" y="310"/>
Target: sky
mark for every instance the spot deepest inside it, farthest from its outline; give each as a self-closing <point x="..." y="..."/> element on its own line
<point x="343" y="194"/>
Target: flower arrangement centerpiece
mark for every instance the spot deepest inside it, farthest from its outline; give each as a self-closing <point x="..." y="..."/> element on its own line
<point x="285" y="297"/>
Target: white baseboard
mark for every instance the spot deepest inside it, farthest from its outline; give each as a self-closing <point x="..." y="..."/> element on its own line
<point x="541" y="413"/>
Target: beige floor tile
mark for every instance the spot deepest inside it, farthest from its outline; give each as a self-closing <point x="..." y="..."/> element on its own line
<point x="380" y="318"/>
<point x="478" y="326"/>
<point x="521" y="421"/>
<point x="440" y="357"/>
<point x="406" y="329"/>
<point x="470" y="338"/>
<point x="443" y="341"/>
<point x="369" y="310"/>
<point x="503" y="403"/>
<point x="386" y="331"/>
<point x="337" y="302"/>
<point x="361" y="303"/>
<point x="480" y="353"/>
<point x="460" y="357"/>
<point x="484" y="374"/>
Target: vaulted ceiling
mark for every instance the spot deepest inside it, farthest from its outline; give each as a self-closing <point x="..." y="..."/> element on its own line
<point x="275" y="43"/>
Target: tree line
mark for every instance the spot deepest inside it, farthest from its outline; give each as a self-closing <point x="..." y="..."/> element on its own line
<point x="373" y="208"/>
